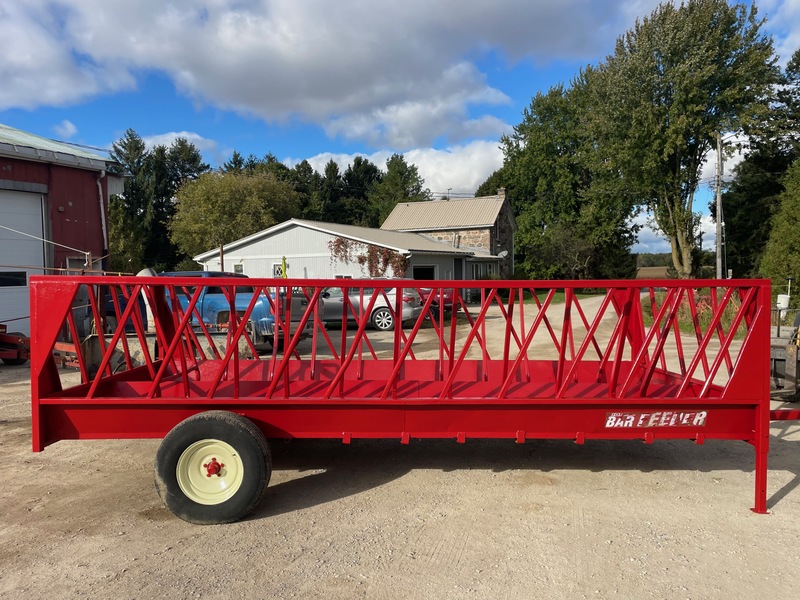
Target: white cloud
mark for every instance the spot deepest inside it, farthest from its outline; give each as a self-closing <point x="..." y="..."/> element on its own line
<point x="783" y="21"/>
<point x="166" y="139"/>
<point x="652" y="241"/>
<point x="394" y="74"/>
<point x="40" y="65"/>
<point x="734" y="148"/>
<point x="460" y="169"/>
<point x="66" y="129"/>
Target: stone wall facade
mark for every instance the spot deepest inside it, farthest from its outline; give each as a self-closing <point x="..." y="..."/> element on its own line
<point x="480" y="239"/>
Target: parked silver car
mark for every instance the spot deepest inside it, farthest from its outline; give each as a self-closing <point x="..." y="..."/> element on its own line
<point x="382" y="316"/>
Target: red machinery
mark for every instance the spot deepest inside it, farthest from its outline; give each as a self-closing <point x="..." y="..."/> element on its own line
<point x="13" y="347"/>
<point x="642" y="360"/>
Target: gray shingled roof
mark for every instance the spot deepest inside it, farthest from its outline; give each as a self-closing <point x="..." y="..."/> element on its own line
<point x="20" y="144"/>
<point x="396" y="240"/>
<point x="457" y="213"/>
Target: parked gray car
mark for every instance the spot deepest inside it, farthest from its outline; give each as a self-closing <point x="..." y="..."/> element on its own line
<point x="382" y="317"/>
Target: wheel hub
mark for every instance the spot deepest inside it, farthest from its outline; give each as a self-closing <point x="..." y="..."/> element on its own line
<point x="213" y="467"/>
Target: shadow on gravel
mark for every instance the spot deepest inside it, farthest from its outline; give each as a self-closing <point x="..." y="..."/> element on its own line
<point x="335" y="471"/>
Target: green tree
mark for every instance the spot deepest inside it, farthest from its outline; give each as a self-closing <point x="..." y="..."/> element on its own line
<point x="126" y="238"/>
<point x="494" y="182"/>
<point x="675" y="80"/>
<point x="330" y="194"/>
<point x="126" y="212"/>
<point x="166" y="170"/>
<point x="218" y="208"/>
<point x="781" y="258"/>
<point x="570" y="225"/>
<point x="749" y="203"/>
<point x="235" y="164"/>
<point x="400" y="183"/>
<point x="308" y="183"/>
<point x="357" y="181"/>
<point x="139" y="219"/>
<point x="753" y="197"/>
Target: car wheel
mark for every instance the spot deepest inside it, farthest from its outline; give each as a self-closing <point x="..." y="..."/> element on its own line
<point x="382" y="319"/>
<point x="213" y="467"/>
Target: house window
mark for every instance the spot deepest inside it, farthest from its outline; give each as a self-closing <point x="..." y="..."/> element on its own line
<point x="424" y="272"/>
<point x="484" y="269"/>
<point x="13" y="279"/>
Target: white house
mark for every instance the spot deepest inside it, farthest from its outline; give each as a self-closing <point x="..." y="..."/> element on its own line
<point x="308" y="249"/>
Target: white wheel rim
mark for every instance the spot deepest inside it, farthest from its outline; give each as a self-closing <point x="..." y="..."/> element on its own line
<point x="383" y="319"/>
<point x="210" y="472"/>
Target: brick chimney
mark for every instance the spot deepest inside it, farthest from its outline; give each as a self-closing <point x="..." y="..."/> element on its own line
<point x="502" y="193"/>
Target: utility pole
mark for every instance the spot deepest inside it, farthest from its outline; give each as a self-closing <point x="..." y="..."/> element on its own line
<point x="719" y="206"/>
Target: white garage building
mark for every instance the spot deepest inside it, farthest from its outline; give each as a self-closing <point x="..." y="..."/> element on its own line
<point x="307" y="249"/>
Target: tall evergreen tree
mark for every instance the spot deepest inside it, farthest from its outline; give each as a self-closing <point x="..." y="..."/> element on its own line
<point x="139" y="220"/>
<point x="400" y="183"/>
<point x="234" y="165"/>
<point x="357" y="181"/>
<point x="781" y="258"/>
<point x="126" y="212"/>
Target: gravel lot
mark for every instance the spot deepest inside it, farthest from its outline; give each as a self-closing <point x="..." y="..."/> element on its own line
<point x="435" y="519"/>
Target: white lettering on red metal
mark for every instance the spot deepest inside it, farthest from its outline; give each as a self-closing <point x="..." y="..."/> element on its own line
<point x="662" y="418"/>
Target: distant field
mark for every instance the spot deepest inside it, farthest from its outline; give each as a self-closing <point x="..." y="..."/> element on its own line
<point x="652" y="273"/>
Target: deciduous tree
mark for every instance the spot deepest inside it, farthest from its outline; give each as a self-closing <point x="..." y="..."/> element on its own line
<point x="216" y="209"/>
<point x="679" y="77"/>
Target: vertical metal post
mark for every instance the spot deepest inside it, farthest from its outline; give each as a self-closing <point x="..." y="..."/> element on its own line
<point x="719" y="206"/>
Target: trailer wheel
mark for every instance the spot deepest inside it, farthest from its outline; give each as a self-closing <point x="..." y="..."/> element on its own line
<point x="382" y="319"/>
<point x="14" y="361"/>
<point x="213" y="467"/>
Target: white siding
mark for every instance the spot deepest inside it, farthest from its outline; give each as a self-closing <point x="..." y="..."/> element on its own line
<point x="306" y="251"/>
<point x="308" y="256"/>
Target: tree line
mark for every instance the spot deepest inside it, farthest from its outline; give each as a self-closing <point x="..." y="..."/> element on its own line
<point x="625" y="136"/>
<point x="632" y="133"/>
<point x="174" y="206"/>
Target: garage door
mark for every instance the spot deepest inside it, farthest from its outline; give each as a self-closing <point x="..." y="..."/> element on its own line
<point x="21" y="211"/>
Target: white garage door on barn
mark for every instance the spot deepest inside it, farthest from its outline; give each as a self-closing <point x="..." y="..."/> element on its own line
<point x="20" y="255"/>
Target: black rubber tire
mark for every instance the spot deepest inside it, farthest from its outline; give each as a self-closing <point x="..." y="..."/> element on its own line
<point x="251" y="448"/>
<point x="382" y="319"/>
<point x="14" y="361"/>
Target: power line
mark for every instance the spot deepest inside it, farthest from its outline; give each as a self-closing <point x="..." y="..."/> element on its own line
<point x="106" y="150"/>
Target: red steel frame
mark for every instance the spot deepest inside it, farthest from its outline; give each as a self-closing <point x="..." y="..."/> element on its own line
<point x="656" y="360"/>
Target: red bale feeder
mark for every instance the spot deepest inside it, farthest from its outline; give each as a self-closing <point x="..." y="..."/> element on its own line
<point x="623" y="360"/>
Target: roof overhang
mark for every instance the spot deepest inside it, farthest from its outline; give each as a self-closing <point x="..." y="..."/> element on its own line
<point x="49" y="156"/>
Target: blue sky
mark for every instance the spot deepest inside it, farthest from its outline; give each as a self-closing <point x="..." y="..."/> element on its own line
<point x="438" y="81"/>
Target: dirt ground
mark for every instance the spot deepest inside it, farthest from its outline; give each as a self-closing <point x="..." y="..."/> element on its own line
<point x="375" y="519"/>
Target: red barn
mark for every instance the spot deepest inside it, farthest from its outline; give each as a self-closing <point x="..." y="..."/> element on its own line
<point x="53" y="214"/>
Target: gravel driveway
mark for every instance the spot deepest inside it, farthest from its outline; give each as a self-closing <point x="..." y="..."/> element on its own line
<point x="435" y="519"/>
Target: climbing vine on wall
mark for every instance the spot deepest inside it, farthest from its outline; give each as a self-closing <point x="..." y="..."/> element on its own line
<point x="376" y="259"/>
